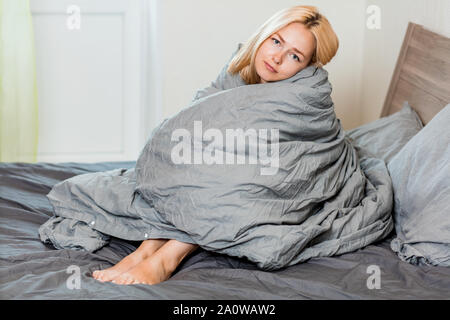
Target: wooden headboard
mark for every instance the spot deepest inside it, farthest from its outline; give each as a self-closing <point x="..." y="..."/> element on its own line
<point x="422" y="74"/>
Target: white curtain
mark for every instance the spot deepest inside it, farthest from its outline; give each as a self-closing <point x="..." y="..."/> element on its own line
<point x="18" y="91"/>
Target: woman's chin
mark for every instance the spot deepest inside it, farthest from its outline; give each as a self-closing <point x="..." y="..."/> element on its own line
<point x="265" y="79"/>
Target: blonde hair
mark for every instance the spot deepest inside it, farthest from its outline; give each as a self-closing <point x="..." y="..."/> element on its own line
<point x="327" y="42"/>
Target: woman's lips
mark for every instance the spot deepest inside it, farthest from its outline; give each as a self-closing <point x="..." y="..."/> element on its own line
<point x="269" y="67"/>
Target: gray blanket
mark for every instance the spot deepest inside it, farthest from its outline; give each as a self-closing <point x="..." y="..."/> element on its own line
<point x="261" y="171"/>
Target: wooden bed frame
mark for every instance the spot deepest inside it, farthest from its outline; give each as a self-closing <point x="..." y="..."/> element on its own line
<point x="422" y="74"/>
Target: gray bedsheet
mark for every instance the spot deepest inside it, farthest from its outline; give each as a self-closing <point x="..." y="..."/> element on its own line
<point x="30" y="269"/>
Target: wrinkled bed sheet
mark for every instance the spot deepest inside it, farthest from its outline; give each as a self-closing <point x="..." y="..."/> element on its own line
<point x="30" y="269"/>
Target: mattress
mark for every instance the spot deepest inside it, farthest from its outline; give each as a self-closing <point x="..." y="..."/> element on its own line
<point x="30" y="269"/>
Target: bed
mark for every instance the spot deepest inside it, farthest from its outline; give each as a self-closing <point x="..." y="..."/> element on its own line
<point x="30" y="269"/>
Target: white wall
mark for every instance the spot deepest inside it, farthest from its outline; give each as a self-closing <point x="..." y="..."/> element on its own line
<point x="199" y="36"/>
<point x="382" y="47"/>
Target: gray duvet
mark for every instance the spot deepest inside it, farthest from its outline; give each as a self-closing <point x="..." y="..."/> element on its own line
<point x="291" y="188"/>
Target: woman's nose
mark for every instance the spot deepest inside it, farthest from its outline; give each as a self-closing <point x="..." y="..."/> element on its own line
<point x="277" y="58"/>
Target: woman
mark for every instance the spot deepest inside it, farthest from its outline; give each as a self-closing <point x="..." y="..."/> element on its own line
<point x="288" y="42"/>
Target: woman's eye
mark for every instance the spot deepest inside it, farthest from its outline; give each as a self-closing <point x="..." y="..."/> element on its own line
<point x="276" y="42"/>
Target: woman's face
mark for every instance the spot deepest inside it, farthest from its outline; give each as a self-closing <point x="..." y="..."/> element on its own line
<point x="279" y="52"/>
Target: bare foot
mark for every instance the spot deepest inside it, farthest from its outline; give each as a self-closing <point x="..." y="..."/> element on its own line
<point x="145" y="250"/>
<point x="151" y="270"/>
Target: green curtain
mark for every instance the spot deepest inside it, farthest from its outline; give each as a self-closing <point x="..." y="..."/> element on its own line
<point x="18" y="92"/>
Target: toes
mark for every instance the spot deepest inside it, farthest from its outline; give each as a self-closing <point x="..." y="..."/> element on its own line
<point x="119" y="280"/>
<point x="128" y="279"/>
<point x="125" y="279"/>
<point x="97" y="274"/>
<point x="100" y="275"/>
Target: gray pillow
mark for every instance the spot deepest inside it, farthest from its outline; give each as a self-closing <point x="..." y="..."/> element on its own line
<point x="383" y="138"/>
<point x="420" y="175"/>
